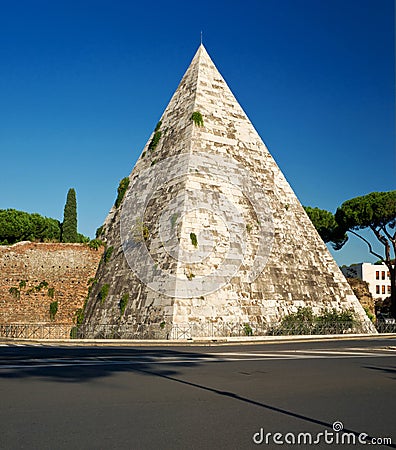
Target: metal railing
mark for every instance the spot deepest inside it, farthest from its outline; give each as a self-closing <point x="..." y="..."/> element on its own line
<point x="383" y="327"/>
<point x="35" y="331"/>
<point x="182" y="331"/>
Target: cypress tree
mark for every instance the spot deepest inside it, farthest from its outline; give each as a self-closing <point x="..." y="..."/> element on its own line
<point x="69" y="225"/>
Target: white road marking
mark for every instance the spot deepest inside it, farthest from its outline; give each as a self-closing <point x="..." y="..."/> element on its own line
<point x="184" y="359"/>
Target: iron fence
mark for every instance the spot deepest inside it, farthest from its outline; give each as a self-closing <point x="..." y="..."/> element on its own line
<point x="182" y="331"/>
<point x="384" y="327"/>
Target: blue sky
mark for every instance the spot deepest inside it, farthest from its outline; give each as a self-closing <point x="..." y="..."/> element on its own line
<point x="83" y="83"/>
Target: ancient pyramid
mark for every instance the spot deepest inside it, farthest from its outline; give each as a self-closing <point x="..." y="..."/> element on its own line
<point x="209" y="235"/>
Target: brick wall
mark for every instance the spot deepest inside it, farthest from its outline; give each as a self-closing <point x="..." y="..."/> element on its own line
<point x="41" y="273"/>
<point x="361" y="290"/>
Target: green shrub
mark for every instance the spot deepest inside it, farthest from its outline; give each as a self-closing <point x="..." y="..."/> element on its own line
<point x="104" y="292"/>
<point x="51" y="292"/>
<point x="74" y="333"/>
<point x="81" y="239"/>
<point x="22" y="284"/>
<point x="304" y="322"/>
<point x="370" y="315"/>
<point x="197" y="118"/>
<point x="155" y="140"/>
<point x="332" y="320"/>
<point x="14" y="292"/>
<point x="80" y="316"/>
<point x="53" y="309"/>
<point x="41" y="285"/>
<point x="194" y="240"/>
<point x="95" y="244"/>
<point x="91" y="284"/>
<point x="247" y="329"/>
<point x="122" y="188"/>
<point x="99" y="232"/>
<point x="123" y="303"/>
<point x="107" y="254"/>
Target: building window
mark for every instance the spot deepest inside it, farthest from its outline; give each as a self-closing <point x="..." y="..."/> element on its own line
<point x="383" y="289"/>
<point x="388" y="275"/>
<point x="377" y="289"/>
<point x="389" y="289"/>
<point x="377" y="275"/>
<point x="383" y="274"/>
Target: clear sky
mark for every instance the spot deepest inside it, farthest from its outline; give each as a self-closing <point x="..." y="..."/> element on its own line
<point x="83" y="83"/>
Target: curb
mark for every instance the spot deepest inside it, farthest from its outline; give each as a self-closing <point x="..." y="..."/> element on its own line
<point x="207" y="341"/>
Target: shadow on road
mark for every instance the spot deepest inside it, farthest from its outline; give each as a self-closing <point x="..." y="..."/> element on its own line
<point x="388" y="370"/>
<point x="84" y="364"/>
<point x="275" y="409"/>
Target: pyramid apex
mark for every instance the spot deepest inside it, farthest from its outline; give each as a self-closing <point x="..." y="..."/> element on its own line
<point x="201" y="49"/>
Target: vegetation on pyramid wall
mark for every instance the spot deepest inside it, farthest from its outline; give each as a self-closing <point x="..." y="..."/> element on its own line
<point x="107" y="254"/>
<point x="156" y="137"/>
<point x="194" y="240"/>
<point x="121" y="190"/>
<point x="155" y="140"/>
<point x="123" y="303"/>
<point x="104" y="292"/>
<point x="197" y="119"/>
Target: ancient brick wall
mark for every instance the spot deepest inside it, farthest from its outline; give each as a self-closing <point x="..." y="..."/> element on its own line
<point x="33" y="275"/>
<point x="361" y="290"/>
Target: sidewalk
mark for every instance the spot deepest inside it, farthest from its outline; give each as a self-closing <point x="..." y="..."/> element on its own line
<point x="209" y="341"/>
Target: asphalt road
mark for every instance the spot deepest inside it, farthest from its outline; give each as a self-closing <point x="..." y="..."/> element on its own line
<point x="200" y="397"/>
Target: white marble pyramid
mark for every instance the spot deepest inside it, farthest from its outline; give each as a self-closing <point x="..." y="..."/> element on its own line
<point x="209" y="231"/>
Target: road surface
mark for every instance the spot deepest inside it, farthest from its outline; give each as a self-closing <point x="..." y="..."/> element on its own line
<point x="198" y="397"/>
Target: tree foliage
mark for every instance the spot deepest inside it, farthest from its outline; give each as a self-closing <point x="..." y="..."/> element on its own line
<point x="376" y="212"/>
<point x="16" y="226"/>
<point x="69" y="225"/>
<point x="327" y="227"/>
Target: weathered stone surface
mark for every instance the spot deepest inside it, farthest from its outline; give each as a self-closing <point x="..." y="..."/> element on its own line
<point x="257" y="256"/>
<point x="41" y="273"/>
